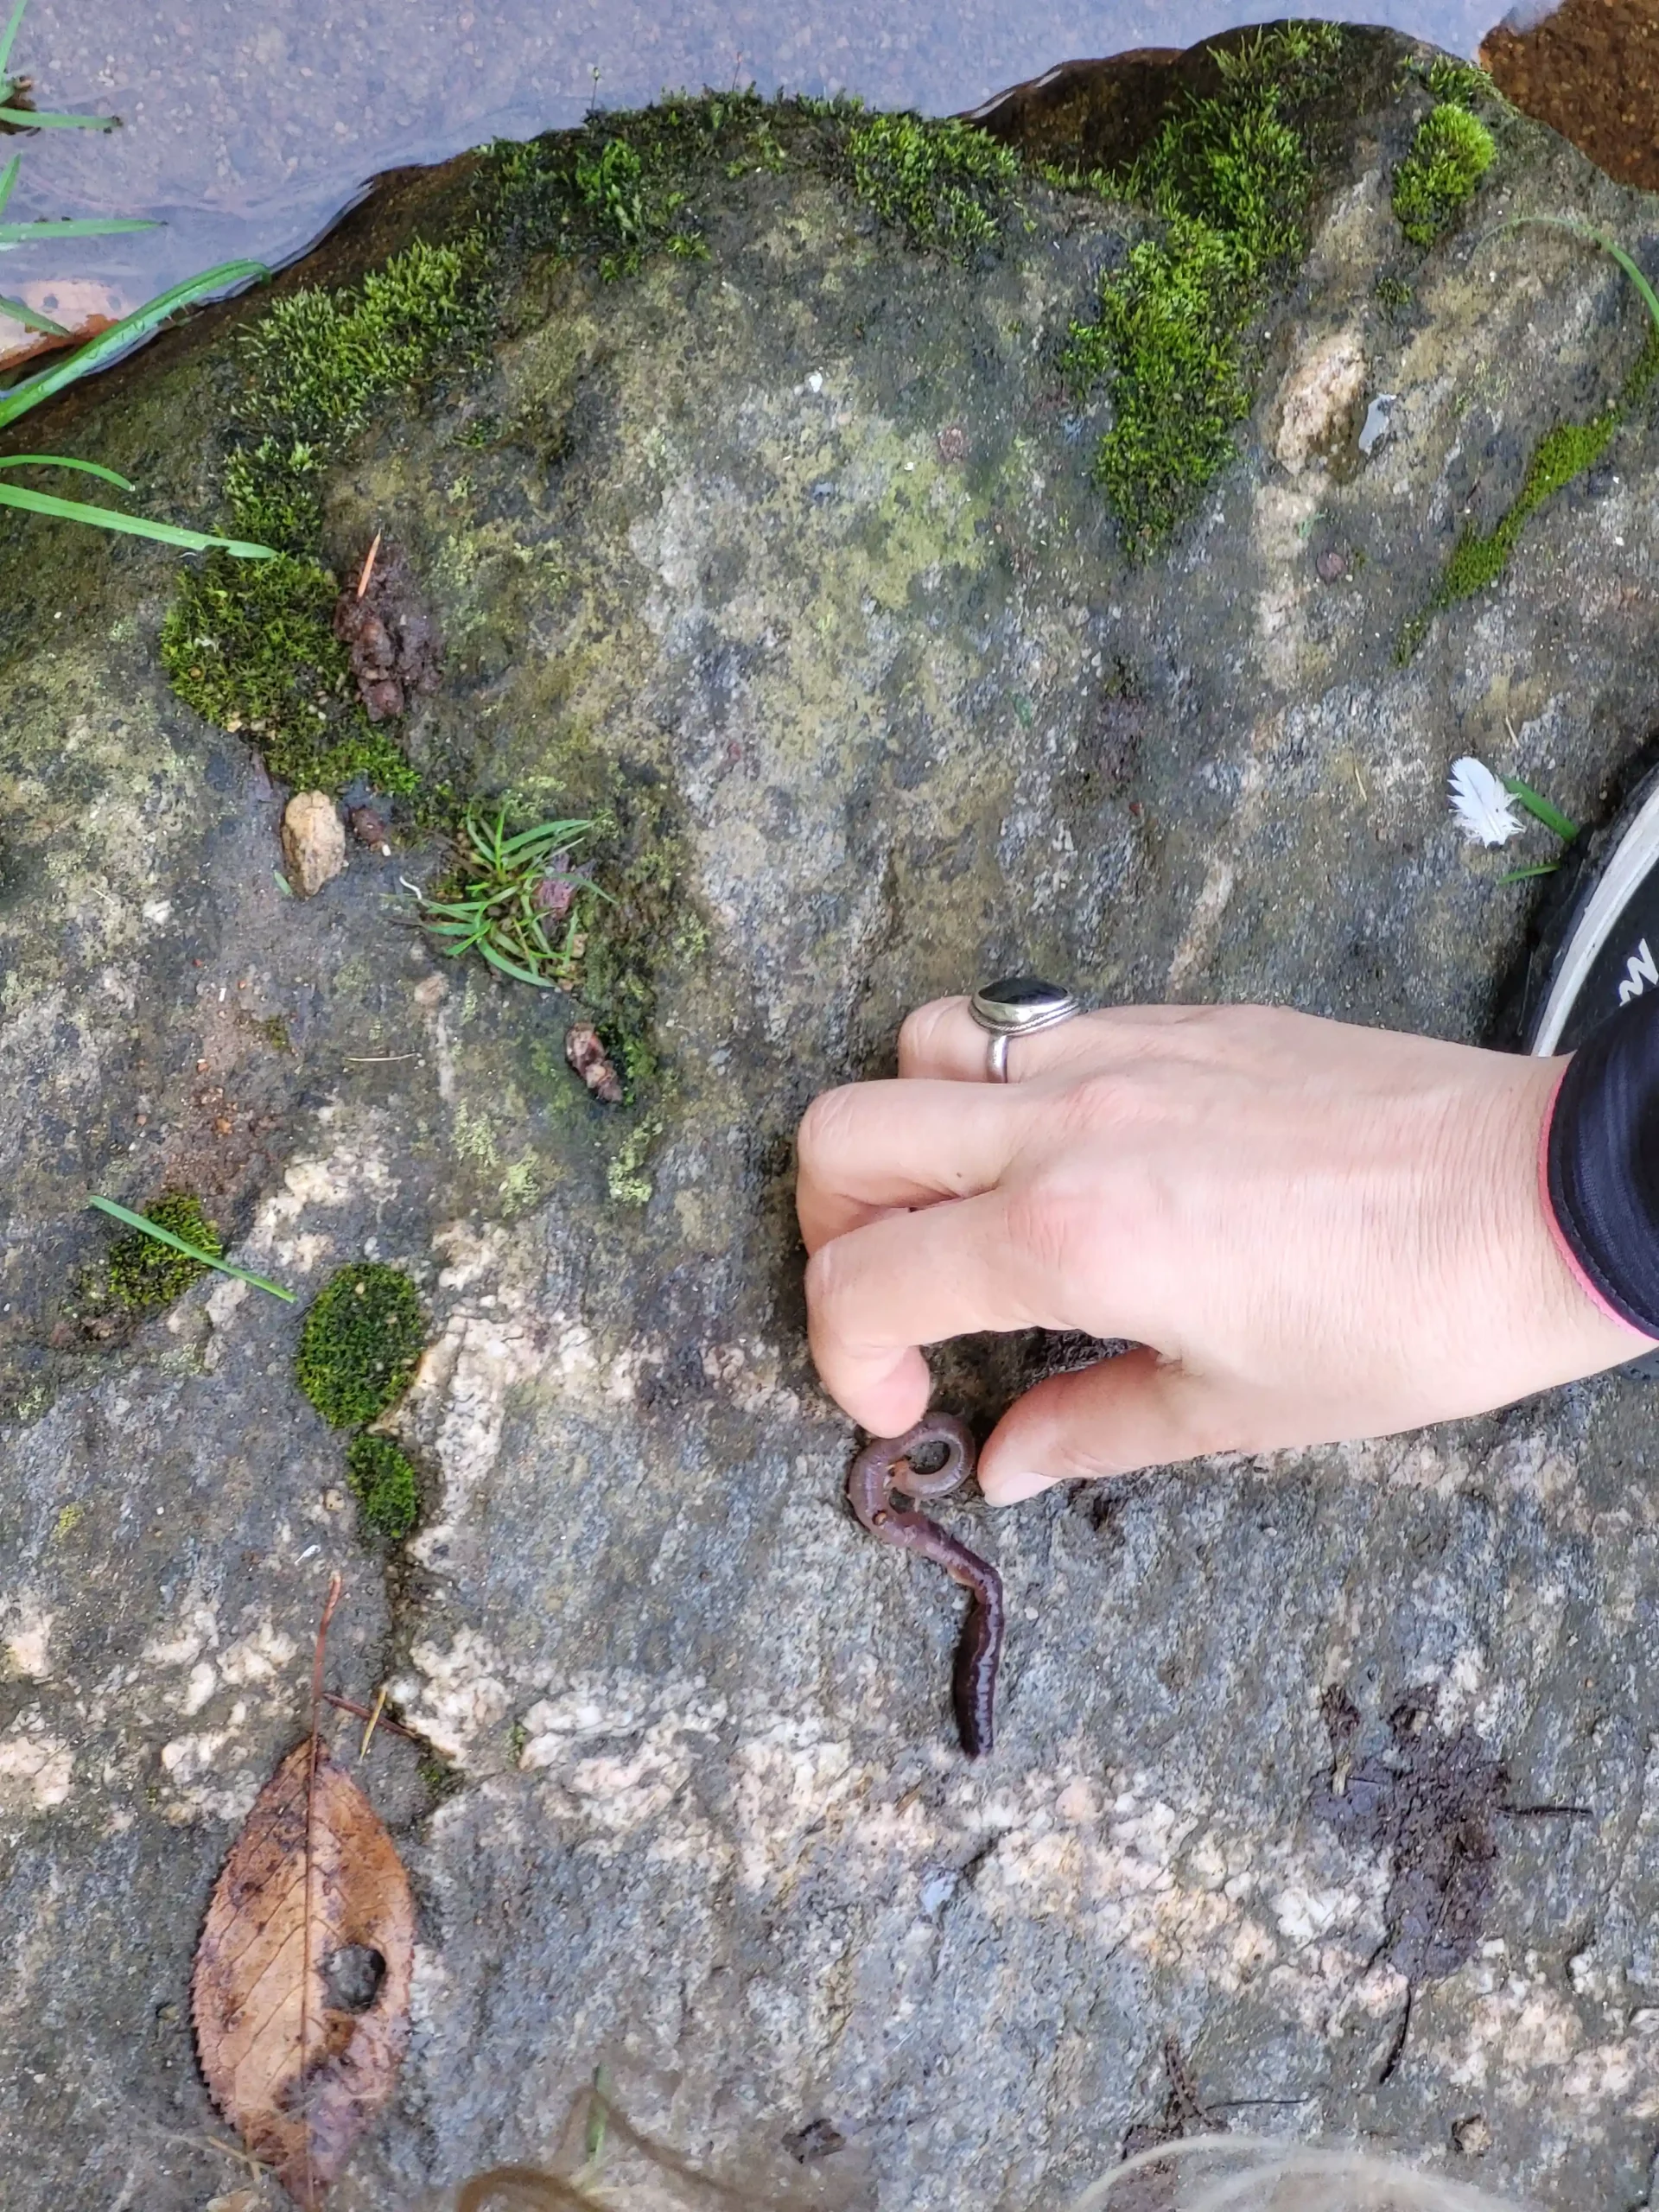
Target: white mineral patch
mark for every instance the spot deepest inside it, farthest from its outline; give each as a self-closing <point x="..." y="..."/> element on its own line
<point x="455" y="1695"/>
<point x="28" y="1639"/>
<point x="1318" y="395"/>
<point x="35" y="1768"/>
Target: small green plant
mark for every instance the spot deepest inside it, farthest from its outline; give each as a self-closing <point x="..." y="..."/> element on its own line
<point x="1566" y="452"/>
<point x="519" y="902"/>
<point x="1451" y="153"/>
<point x="254" y="651"/>
<point x="174" y="1242"/>
<point x="360" y="1344"/>
<point x="942" y="183"/>
<point x="1460" y="82"/>
<point x="385" y="1484"/>
<point x="1228" y="178"/>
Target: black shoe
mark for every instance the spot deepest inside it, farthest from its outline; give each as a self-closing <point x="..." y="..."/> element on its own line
<point x="1607" y="953"/>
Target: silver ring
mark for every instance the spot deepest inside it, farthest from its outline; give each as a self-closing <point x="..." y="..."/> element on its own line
<point x="1018" y="1006"/>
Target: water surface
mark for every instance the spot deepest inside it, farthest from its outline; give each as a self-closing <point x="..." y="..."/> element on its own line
<point x="248" y="127"/>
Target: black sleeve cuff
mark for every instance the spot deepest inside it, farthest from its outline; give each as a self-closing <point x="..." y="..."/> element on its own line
<point x="1602" y="1162"/>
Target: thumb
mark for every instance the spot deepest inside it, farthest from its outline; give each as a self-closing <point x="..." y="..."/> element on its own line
<point x="1134" y="1411"/>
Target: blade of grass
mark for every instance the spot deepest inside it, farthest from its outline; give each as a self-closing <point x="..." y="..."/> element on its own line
<point x="166" y="1237"/>
<point x="100" y="351"/>
<point x="8" y="178"/>
<point x="163" y="533"/>
<point x="1541" y="809"/>
<point x="556" y="832"/>
<point x="63" y="461"/>
<point x="8" y="36"/>
<point x="511" y="967"/>
<point x="1520" y="875"/>
<point x="31" y="318"/>
<point x="71" y="226"/>
<point x="30" y="118"/>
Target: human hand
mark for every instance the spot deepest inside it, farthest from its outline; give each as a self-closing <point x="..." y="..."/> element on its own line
<point x="1314" y="1231"/>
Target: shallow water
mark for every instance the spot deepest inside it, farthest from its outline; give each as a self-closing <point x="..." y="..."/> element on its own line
<point x="247" y="128"/>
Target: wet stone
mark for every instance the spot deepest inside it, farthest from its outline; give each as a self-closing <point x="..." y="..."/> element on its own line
<point x="687" y="1803"/>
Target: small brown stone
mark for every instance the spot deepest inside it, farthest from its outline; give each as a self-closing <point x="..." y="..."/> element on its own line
<point x="1332" y="564"/>
<point x="588" y="1056"/>
<point x="313" y="841"/>
<point x="368" y="825"/>
<point x="953" y="443"/>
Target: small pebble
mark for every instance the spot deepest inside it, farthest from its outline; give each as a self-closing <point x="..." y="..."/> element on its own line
<point x="1332" y="564"/>
<point x="370" y="827"/>
<point x="313" y="844"/>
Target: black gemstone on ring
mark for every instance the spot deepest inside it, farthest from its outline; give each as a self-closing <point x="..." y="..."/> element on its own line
<point x="1023" y="991"/>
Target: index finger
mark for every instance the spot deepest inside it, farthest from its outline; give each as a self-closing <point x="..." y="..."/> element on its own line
<point x="876" y="1295"/>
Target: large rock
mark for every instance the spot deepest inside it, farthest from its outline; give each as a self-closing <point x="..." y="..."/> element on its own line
<point x="798" y="549"/>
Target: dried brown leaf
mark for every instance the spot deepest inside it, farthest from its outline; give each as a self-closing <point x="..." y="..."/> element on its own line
<point x="301" y="1984"/>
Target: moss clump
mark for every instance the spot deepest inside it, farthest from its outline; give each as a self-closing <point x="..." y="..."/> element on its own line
<point x="1568" y="451"/>
<point x="1230" y="178"/>
<point x="360" y="1342"/>
<point x="256" y="652"/>
<point x="250" y="645"/>
<point x="385" y="1484"/>
<point x="143" y="1275"/>
<point x="1459" y="81"/>
<point x="1451" y="153"/>
<point x="626" y="188"/>
<point x="942" y="183"/>
<point x="318" y="363"/>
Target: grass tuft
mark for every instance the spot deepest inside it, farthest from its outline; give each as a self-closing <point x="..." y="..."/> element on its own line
<point x="1451" y="153"/>
<point x="361" y="1342"/>
<point x="519" y="901"/>
<point x="943" y="183"/>
<point x="385" y="1484"/>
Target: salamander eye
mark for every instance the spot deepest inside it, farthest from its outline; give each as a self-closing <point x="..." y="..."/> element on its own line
<point x="879" y="1517"/>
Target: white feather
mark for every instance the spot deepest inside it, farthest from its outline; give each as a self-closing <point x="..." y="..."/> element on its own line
<point x="1481" y="807"/>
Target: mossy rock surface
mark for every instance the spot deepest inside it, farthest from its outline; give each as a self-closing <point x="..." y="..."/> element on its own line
<point x="784" y="553"/>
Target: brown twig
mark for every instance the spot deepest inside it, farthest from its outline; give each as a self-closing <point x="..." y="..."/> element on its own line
<point x="361" y="1712"/>
<point x="374" y="1720"/>
<point x="368" y="565"/>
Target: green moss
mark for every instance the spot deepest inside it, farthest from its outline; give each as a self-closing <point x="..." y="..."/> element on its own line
<point x="143" y="1275"/>
<point x="250" y="645"/>
<point x="320" y="362"/>
<point x="1460" y="82"/>
<point x="1166" y="334"/>
<point x="626" y="187"/>
<point x="385" y="1484"/>
<point x="1393" y="294"/>
<point x="1451" y="153"/>
<point x="943" y="183"/>
<point x="361" y="1340"/>
<point x="1230" y="179"/>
